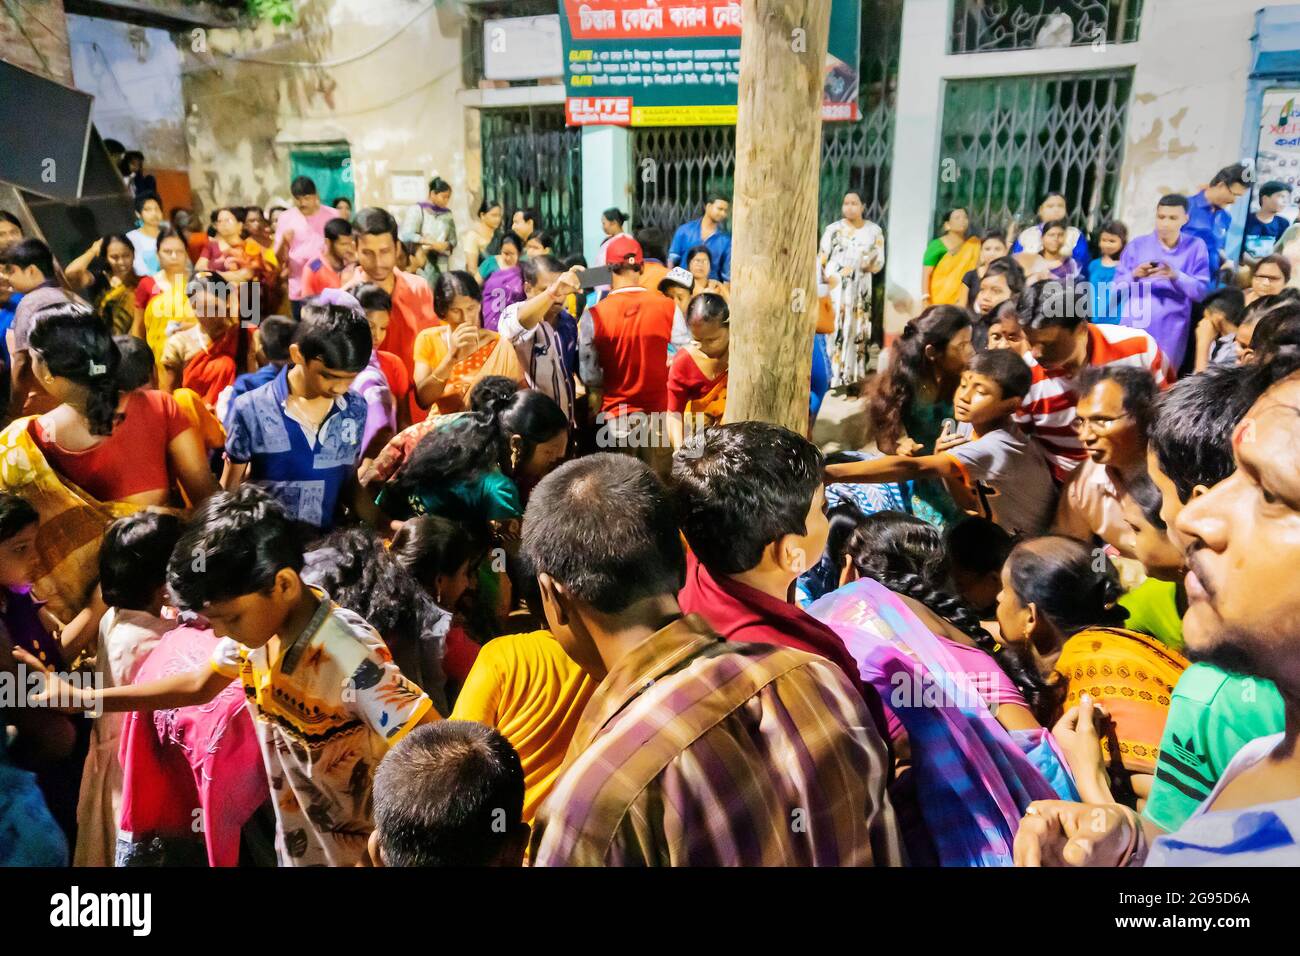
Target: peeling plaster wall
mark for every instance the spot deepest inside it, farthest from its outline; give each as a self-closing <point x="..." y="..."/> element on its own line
<point x="34" y="36"/>
<point x="395" y="106"/>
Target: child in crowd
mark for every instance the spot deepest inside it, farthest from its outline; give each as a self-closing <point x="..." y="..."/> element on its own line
<point x="326" y="698"/>
<point x="992" y="458"/>
<point x="334" y="266"/>
<point x="1101" y="273"/>
<point x="274" y="336"/>
<point x="977" y="548"/>
<point x="451" y="794"/>
<point x="1004" y="331"/>
<point x="993" y="246"/>
<point x="1216" y="333"/>
<point x="132" y="577"/>
<point x="301" y="433"/>
<point x="697" y="378"/>
<point x="384" y="383"/>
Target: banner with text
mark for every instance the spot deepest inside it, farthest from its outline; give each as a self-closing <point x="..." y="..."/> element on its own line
<point x="677" y="62"/>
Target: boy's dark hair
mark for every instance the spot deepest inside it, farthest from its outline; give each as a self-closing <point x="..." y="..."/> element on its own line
<point x="440" y="793"/>
<point x="373" y="221"/>
<point x="1191" y="435"/>
<point x="742" y="486"/>
<point x="1234" y="175"/>
<point x="978" y="544"/>
<point x="1055" y="304"/>
<point x="133" y="558"/>
<point x="275" y="334"/>
<point x="1137" y="385"/>
<point x="302" y="186"/>
<point x="1147" y="496"/>
<point x="30" y="252"/>
<point x="438" y="185"/>
<point x="1175" y="199"/>
<point x="530" y="268"/>
<point x="235" y="544"/>
<point x="337" y="228"/>
<point x="15" y="515"/>
<point x="1273" y="186"/>
<point x="604" y="528"/>
<point x="1229" y="301"/>
<point x="337" y="335"/>
<point x="713" y="195"/>
<point x="135" y="363"/>
<point x="373" y="298"/>
<point x="1006" y="368"/>
<point x="1115" y="228"/>
<point x="140" y="200"/>
<point x="654" y="243"/>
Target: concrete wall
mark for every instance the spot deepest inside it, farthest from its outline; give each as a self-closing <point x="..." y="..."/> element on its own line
<point x="35" y="37"/>
<point x="382" y="76"/>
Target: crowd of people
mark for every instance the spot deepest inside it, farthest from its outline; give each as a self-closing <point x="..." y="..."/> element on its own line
<point x="333" y="538"/>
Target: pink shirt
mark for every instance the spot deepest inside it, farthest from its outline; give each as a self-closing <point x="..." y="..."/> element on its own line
<point x="308" y="241"/>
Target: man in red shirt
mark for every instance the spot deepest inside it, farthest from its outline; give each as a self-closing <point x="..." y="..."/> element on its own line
<point x="376" y="237"/>
<point x="623" y="352"/>
<point x="339" y="258"/>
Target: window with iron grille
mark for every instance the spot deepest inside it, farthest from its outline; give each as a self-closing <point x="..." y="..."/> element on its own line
<point x="1008" y="141"/>
<point x="985" y="26"/>
<point x="532" y="160"/>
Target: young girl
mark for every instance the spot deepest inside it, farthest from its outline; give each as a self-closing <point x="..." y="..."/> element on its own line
<point x="993" y="246"/>
<point x="1063" y="613"/>
<point x="697" y="379"/>
<point x="1101" y="273"/>
<point x="1053" y="208"/>
<point x="132" y="577"/>
<point x="1053" y="260"/>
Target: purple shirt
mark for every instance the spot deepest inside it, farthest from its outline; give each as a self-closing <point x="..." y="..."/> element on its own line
<point x="308" y="241"/>
<point x="1163" y="307"/>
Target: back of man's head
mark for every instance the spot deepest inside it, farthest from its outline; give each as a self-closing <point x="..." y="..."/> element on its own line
<point x="742" y="487"/>
<point x="450" y="794"/>
<point x="603" y="528"/>
<point x="1055" y="304"/>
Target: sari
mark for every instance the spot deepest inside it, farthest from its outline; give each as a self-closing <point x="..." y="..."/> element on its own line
<point x="72" y="522"/>
<point x="497" y="357"/>
<point x="214" y="369"/>
<point x="168" y="311"/>
<point x="1132" y="676"/>
<point x="946" y="286"/>
<point x="501" y="289"/>
<point x="973" y="779"/>
<point x="116" y="306"/>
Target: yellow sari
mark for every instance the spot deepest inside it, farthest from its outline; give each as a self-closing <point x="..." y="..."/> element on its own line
<point x="946" y="287"/>
<point x="168" y="311"/>
<point x="497" y="357"/>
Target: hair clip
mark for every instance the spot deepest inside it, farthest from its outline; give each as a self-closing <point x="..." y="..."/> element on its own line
<point x="97" y="369"/>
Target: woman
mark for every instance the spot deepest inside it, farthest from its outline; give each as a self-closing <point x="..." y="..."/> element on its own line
<point x="947" y="259"/>
<point x="145" y="236"/>
<point x="699" y="263"/>
<point x="611" y="224"/>
<point x="1053" y="208"/>
<point x="912" y="398"/>
<point x="233" y="255"/>
<point x="697" y="378"/>
<point x="162" y="307"/>
<point x="1052" y="261"/>
<point x="993" y="246"/>
<point x="450" y="358"/>
<point x="509" y="249"/>
<point x="105" y="274"/>
<point x="480" y="236"/>
<point x="1270" y="277"/>
<point x="852" y="250"/>
<point x="1063" y="613"/>
<point x="505" y="286"/>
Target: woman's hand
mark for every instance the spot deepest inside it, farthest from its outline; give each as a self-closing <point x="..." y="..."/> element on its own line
<point x="464" y="340"/>
<point x="1078" y="733"/>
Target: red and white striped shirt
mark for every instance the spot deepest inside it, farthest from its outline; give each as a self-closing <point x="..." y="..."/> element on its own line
<point x="1049" y="408"/>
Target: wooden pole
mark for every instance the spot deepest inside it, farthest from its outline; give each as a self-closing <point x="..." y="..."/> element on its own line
<point x="773" y="260"/>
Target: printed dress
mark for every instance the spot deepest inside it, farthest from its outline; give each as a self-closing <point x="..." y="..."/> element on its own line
<point x="854" y="253"/>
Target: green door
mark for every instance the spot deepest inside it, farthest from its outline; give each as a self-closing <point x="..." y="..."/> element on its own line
<point x="330" y="168"/>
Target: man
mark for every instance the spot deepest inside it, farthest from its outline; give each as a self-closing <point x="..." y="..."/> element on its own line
<point x="684" y="724"/>
<point x="1209" y="216"/>
<point x="1161" y="276"/>
<point x="653" y="247"/>
<point x="1062" y="343"/>
<point x="706" y="231"/>
<point x="544" y="335"/>
<point x="1244" y="616"/>
<point x="300" y="235"/>
<point x="623" y="352"/>
<point x="449" y="794"/>
<point x="1265" y="227"/>
<point x="375" y="231"/>
<point x="29" y="270"/>
<point x="1115" y="407"/>
<point x="333" y="266"/>
<point x="432" y="226"/>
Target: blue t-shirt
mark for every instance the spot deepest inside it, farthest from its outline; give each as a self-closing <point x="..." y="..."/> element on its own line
<point x="1261" y="237"/>
<point x="251" y="380"/>
<point x="306" y="476"/>
<point x="687" y="237"/>
<point x="6" y="320"/>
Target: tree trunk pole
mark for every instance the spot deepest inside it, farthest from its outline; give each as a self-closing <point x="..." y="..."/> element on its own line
<point x="773" y="261"/>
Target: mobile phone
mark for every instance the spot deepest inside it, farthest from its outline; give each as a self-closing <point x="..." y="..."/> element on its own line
<point x="598" y="276"/>
<point x="1153" y="264"/>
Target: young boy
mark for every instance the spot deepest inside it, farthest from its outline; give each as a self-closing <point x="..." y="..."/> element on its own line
<point x="1265" y="227"/>
<point x="301" y="433"/>
<point x="326" y="699"/>
<point x="274" y="335"/>
<point x="384" y="383"/>
<point x="1216" y="333"/>
<point x="333" y="266"/>
<point x="991" y="457"/>
<point x="450" y="794"/>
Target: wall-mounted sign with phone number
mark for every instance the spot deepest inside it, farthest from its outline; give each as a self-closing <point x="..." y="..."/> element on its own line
<point x="677" y="62"/>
